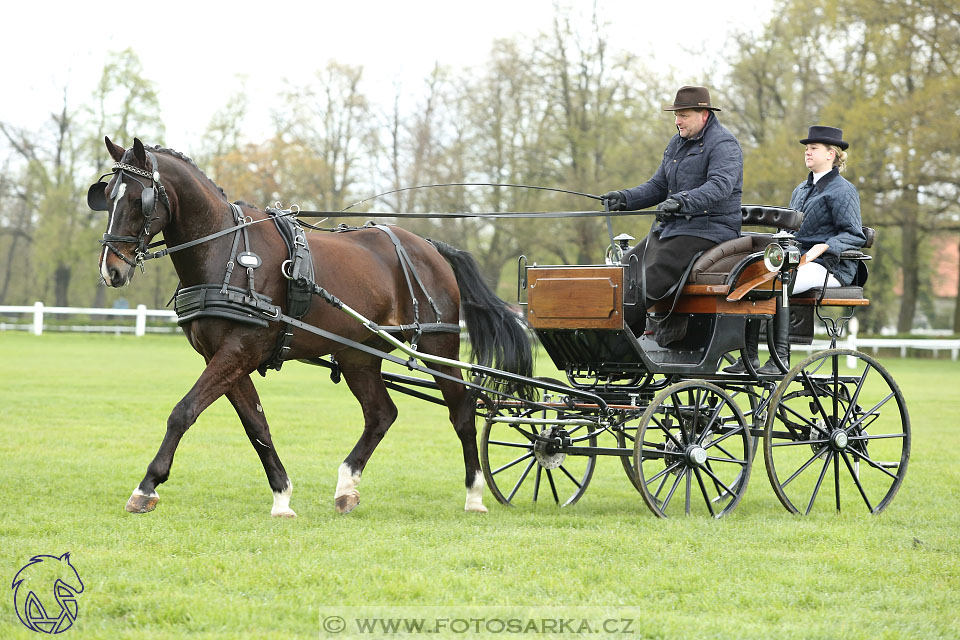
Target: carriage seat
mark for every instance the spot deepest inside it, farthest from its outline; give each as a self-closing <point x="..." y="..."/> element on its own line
<point x="715" y="265"/>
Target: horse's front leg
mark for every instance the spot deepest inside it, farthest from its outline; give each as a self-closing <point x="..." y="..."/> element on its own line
<point x="221" y="373"/>
<point x="243" y="396"/>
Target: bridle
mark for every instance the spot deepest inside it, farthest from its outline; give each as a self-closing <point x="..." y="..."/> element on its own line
<point x="97" y="200"/>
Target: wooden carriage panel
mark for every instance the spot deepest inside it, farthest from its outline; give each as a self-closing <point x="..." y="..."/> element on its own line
<point x="575" y="297"/>
<point x="717" y="303"/>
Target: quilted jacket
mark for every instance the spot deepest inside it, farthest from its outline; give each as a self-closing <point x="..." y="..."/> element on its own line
<point x="706" y="175"/>
<point x="831" y="214"/>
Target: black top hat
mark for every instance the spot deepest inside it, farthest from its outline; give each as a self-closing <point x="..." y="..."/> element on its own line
<point x="826" y="135"/>
<point x="692" y="98"/>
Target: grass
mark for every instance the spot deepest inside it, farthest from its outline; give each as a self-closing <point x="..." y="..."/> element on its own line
<point x="81" y="416"/>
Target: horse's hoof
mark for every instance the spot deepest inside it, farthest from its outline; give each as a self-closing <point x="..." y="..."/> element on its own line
<point x="140" y="502"/>
<point x="283" y="513"/>
<point x="475" y="508"/>
<point x="347" y="502"/>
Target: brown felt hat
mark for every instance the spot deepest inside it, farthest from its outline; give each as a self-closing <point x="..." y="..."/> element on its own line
<point x="692" y="98"/>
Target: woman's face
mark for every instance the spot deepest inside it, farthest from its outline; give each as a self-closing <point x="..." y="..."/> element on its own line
<point x="818" y="157"/>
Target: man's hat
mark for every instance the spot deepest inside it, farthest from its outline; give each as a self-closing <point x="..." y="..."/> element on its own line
<point x="692" y="98"/>
<point x="825" y="135"/>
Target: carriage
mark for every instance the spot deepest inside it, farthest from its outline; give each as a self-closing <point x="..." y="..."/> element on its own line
<point x="678" y="423"/>
<point x="834" y="426"/>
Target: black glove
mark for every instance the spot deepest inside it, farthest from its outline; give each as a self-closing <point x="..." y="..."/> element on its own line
<point x="667" y="208"/>
<point x="615" y="200"/>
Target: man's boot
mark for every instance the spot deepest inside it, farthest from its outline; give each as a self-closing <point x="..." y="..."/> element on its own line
<point x="781" y="342"/>
<point x="751" y="348"/>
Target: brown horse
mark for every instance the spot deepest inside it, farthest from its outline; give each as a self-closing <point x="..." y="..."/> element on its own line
<point x="161" y="190"/>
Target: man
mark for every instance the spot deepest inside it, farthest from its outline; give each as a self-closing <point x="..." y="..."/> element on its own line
<point x="699" y="184"/>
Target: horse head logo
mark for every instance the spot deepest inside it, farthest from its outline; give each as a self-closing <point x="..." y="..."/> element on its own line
<point x="33" y="586"/>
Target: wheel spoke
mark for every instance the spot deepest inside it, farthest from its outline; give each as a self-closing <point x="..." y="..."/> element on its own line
<point x="816" y="397"/>
<point x="553" y="487"/>
<point x="719" y="481"/>
<point x="816" y="488"/>
<point x="666" y="471"/>
<point x="536" y="483"/>
<point x="732" y="432"/>
<point x="673" y="489"/>
<point x="510" y="464"/>
<point x="856" y="395"/>
<point x="703" y="490"/>
<point x="803" y="419"/>
<point x="572" y="479"/>
<point x="523" y="477"/>
<point x="794" y="443"/>
<point x="522" y="445"/>
<point x="836" y="480"/>
<point x="713" y="418"/>
<point x="875" y="465"/>
<point x="805" y="465"/>
<point x="689" y="481"/>
<point x="871" y="412"/>
<point x="856" y="481"/>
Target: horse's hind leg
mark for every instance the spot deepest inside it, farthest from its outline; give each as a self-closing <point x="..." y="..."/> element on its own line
<point x="243" y="396"/>
<point x="219" y="376"/>
<point x="461" y="403"/>
<point x="379" y="412"/>
<point x="462" y="406"/>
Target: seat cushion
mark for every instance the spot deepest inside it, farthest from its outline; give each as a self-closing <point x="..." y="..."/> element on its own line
<point x="715" y="265"/>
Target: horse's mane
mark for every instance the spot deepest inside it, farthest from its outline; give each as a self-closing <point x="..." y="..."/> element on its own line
<point x="177" y="154"/>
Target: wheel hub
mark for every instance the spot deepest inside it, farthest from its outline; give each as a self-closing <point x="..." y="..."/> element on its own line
<point x="547" y="453"/>
<point x="839" y="440"/>
<point x="695" y="455"/>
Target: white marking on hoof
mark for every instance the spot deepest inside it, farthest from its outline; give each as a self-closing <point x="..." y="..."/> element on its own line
<point x="281" y="503"/>
<point x="475" y="495"/>
<point x="346" y="496"/>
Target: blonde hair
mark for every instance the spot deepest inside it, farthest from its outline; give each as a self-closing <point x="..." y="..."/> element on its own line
<point x="839" y="158"/>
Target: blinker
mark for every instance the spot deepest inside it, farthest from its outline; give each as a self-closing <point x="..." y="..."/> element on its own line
<point x="148" y="200"/>
<point x="96" y="196"/>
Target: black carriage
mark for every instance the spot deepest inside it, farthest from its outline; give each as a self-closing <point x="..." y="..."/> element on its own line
<point x="834" y="426"/>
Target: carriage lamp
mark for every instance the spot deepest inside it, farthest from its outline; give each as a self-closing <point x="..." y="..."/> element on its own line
<point x="773" y="257"/>
<point x="621" y="244"/>
<point x="783" y="255"/>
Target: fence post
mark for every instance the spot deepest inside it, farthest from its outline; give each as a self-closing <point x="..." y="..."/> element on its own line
<point x="141" y="319"/>
<point x="37" y="318"/>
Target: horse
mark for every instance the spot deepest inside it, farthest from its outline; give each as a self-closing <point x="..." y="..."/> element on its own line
<point x="156" y="190"/>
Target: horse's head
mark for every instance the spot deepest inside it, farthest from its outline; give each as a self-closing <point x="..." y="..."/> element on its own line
<point x="138" y="206"/>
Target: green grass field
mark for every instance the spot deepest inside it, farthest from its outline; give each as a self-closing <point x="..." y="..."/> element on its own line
<point x="81" y="416"/>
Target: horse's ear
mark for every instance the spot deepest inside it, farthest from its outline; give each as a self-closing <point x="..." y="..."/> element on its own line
<point x="116" y="151"/>
<point x="139" y="151"/>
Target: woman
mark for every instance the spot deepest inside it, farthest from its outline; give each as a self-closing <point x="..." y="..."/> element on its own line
<point x="831" y="215"/>
<point x="831" y="211"/>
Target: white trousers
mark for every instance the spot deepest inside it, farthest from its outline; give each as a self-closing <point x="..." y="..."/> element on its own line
<point x="811" y="276"/>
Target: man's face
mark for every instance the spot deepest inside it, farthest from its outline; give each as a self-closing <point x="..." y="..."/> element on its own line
<point x="690" y="122"/>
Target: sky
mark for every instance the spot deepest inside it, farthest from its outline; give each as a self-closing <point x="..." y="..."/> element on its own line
<point x="201" y="53"/>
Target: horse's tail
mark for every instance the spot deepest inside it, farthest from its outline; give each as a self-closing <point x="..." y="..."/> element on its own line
<point x="498" y="336"/>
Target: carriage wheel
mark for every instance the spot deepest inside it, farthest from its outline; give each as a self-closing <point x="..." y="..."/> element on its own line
<point x="694" y="450"/>
<point x="521" y="468"/>
<point x="838" y="425"/>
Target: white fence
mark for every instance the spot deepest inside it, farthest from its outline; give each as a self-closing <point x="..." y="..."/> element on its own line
<point x="141" y="313"/>
<point x="38" y="310"/>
